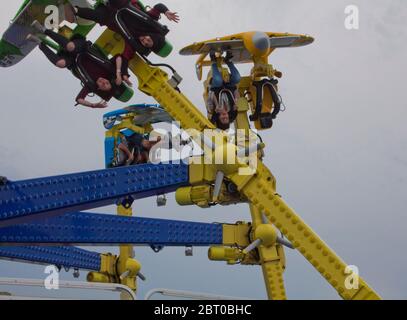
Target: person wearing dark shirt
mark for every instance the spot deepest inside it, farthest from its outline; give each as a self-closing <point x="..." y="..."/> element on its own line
<point x="143" y="38"/>
<point x="101" y="75"/>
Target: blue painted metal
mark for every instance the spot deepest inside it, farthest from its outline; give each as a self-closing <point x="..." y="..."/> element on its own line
<point x="67" y="257"/>
<point x="109" y="151"/>
<point x="101" y="229"/>
<point x="25" y="200"/>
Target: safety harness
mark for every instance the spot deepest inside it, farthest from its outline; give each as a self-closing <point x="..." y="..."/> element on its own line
<point x="79" y="70"/>
<point x="225" y="96"/>
<point x="144" y="20"/>
<point x="266" y="119"/>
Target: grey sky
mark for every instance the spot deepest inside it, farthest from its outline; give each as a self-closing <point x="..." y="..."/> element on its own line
<point x="338" y="152"/>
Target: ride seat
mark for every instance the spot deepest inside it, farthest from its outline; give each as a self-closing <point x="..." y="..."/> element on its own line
<point x="132" y="13"/>
<point x="123" y="94"/>
<point x="267" y="103"/>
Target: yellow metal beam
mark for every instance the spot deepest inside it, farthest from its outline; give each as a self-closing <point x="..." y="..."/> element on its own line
<point x="260" y="193"/>
<point x="259" y="189"/>
<point x="127" y="256"/>
<point x="272" y="260"/>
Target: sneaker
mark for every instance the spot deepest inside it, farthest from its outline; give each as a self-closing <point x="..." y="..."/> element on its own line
<point x="229" y="56"/>
<point x="33" y="38"/>
<point x="38" y="26"/>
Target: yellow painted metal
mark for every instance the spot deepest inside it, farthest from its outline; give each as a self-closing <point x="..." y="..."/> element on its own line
<point x="110" y="42"/>
<point x="236" y="237"/>
<point x="198" y="195"/>
<point x="229" y="254"/>
<point x="107" y="272"/>
<point x="259" y="189"/>
<point x="272" y="257"/>
<point x="121" y="269"/>
<point x="202" y="196"/>
<point x="244" y="41"/>
<point x="154" y="82"/>
<point x="236" y="234"/>
<point x="126" y="261"/>
<point x="304" y="239"/>
<point x="98" y="277"/>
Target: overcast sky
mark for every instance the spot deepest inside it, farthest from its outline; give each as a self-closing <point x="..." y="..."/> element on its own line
<point x="338" y="152"/>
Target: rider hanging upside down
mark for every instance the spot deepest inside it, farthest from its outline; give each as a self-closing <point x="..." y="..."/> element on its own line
<point x="221" y="103"/>
<point x="142" y="36"/>
<point x="99" y="76"/>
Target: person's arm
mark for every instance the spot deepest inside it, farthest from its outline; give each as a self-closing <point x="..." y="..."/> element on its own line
<point x="119" y="62"/>
<point x="127" y="54"/>
<point x="159" y="9"/>
<point x="81" y="99"/>
<point x="125" y="149"/>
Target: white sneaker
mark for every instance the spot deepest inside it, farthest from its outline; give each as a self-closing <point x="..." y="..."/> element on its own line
<point x="33" y="38"/>
<point x="38" y="26"/>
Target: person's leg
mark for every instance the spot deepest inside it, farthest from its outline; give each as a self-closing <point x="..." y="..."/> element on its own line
<point x="77" y="46"/>
<point x="125" y="72"/>
<point x="99" y="15"/>
<point x="217" y="79"/>
<point x="60" y="39"/>
<point x="234" y="74"/>
<point x="54" y="58"/>
<point x="118" y="3"/>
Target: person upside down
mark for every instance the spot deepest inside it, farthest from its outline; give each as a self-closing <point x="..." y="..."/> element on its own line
<point x="103" y="77"/>
<point x="136" y="149"/>
<point x="142" y="37"/>
<point x="221" y="103"/>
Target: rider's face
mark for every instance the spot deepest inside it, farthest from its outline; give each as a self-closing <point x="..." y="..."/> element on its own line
<point x="103" y="84"/>
<point x="146" y="41"/>
<point x="224" y="117"/>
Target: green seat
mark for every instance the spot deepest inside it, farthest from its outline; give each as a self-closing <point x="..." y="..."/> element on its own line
<point x="127" y="94"/>
<point x="166" y="50"/>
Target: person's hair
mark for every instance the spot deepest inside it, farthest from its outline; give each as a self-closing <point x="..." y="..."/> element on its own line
<point x="220" y="125"/>
<point x="159" y="42"/>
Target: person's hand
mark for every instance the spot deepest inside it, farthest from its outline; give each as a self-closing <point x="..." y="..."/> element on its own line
<point x="130" y="160"/>
<point x="119" y="79"/>
<point x="101" y="105"/>
<point x="172" y="16"/>
<point x="128" y="82"/>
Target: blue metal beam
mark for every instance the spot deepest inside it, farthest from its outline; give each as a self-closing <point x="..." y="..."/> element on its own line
<point x="63" y="257"/>
<point x="101" y="229"/>
<point x="23" y="201"/>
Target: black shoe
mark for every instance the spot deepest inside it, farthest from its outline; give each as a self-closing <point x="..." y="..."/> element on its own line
<point x="212" y="54"/>
<point x="229" y="56"/>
